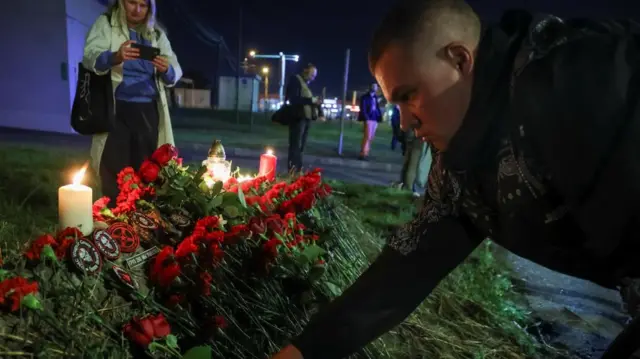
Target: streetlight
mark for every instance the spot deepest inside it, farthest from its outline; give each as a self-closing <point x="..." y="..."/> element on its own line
<point x="283" y="60"/>
<point x="265" y="72"/>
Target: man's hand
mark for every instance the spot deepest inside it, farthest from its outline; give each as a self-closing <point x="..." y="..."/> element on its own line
<point x="289" y="352"/>
<point x="322" y="119"/>
<point x="126" y="52"/>
<point x="161" y="63"/>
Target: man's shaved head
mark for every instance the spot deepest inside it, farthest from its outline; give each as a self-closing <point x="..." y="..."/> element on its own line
<point x="423" y="56"/>
<point x="425" y="22"/>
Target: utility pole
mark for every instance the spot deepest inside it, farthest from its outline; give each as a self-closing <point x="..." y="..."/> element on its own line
<point x="344" y="99"/>
<point x="239" y="65"/>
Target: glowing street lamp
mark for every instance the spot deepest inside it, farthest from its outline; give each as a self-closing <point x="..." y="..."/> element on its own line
<point x="265" y="72"/>
<point x="283" y="60"/>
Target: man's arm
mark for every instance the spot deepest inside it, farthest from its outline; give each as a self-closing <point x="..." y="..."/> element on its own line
<point x="580" y="111"/>
<point x="416" y="259"/>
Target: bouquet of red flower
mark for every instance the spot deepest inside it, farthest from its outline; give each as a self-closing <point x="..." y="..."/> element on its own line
<point x="215" y="261"/>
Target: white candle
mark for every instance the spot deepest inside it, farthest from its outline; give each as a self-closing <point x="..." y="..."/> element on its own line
<point x="75" y="204"/>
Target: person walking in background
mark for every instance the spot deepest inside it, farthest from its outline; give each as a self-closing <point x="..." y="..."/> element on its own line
<point x="304" y="109"/>
<point x="370" y="115"/>
<point x="142" y="121"/>
<point x="416" y="165"/>
<point x="398" y="135"/>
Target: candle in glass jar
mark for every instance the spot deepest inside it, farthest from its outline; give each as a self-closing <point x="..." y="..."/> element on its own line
<point x="268" y="165"/>
<point x="75" y="203"/>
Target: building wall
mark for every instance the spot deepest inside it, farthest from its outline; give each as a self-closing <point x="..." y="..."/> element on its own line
<point x="38" y="75"/>
<point x="35" y="91"/>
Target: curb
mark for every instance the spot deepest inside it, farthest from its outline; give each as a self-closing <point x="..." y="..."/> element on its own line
<point x="310" y="159"/>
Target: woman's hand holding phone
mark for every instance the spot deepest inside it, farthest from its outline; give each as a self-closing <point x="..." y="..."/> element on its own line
<point x="126" y="52"/>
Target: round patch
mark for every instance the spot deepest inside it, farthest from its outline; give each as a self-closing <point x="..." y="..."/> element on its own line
<point x="143" y="221"/>
<point x="107" y="246"/>
<point x="125" y="235"/>
<point x="179" y="220"/>
<point x="124" y="277"/>
<point x="86" y="257"/>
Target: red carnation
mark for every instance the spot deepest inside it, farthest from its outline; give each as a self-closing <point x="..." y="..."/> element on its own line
<point x="164" y="269"/>
<point x="13" y="290"/>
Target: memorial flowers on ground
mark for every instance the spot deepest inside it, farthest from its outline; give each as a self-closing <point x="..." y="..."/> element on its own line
<point x="179" y="249"/>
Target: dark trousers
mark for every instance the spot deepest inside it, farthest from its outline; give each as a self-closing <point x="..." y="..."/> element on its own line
<point x="298" y="131"/>
<point x="133" y="139"/>
<point x="398" y="136"/>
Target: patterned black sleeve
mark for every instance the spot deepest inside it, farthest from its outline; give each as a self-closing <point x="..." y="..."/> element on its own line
<point x="416" y="259"/>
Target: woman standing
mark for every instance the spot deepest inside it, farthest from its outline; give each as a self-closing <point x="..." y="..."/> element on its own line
<point x="142" y="121"/>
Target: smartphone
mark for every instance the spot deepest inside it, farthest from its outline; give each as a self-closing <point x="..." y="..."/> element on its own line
<point x="147" y="52"/>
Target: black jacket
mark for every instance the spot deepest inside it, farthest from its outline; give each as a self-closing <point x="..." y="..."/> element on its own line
<point x="546" y="163"/>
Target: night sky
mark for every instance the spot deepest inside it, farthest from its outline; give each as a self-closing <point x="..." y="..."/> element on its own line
<point x="318" y="31"/>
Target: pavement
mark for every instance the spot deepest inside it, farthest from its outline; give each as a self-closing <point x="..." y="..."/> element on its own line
<point x="577" y="315"/>
<point x="343" y="169"/>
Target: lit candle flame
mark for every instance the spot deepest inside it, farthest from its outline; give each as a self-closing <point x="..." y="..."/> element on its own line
<point x="79" y="176"/>
<point x="269" y="152"/>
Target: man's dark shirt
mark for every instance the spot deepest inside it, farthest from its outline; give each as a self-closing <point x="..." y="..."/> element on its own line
<point x="546" y="163"/>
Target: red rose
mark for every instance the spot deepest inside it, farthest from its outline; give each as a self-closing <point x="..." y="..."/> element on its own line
<point x="149" y="171"/>
<point x="164" y="154"/>
<point x="143" y="331"/>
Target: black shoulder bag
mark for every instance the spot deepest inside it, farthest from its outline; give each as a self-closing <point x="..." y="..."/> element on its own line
<point x="93" y="110"/>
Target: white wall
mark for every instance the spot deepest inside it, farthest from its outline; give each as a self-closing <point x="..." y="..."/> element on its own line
<point x="35" y="93"/>
<point x="36" y="75"/>
<point x="249" y="93"/>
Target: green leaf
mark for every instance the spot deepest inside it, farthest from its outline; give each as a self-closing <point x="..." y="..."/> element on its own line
<point x="313" y="252"/>
<point x="3" y="274"/>
<point x="217" y="188"/>
<point x="172" y="341"/>
<point x="202" y="352"/>
<point x="215" y="202"/>
<point x="334" y="289"/>
<point x="153" y="347"/>
<point x="200" y="173"/>
<point x="31" y="302"/>
<point x="48" y="253"/>
<point x="243" y="202"/>
<point x="231" y="211"/>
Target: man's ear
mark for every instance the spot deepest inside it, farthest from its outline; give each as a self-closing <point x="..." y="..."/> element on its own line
<point x="460" y="57"/>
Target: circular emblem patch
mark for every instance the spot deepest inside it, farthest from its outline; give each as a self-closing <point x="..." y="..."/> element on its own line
<point x="125" y="235"/>
<point x="144" y="221"/>
<point x="124" y="277"/>
<point x="86" y="257"/>
<point x="180" y="220"/>
<point x="107" y="246"/>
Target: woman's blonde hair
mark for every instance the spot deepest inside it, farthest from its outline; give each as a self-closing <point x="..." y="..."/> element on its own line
<point x="147" y="29"/>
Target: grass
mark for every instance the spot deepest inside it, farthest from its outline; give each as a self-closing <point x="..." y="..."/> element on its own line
<point x="202" y="126"/>
<point x="472" y="314"/>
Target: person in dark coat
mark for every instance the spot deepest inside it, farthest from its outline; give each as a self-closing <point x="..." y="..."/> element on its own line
<point x="370" y="116"/>
<point x="398" y="134"/>
<point x="534" y="123"/>
<point x="305" y="108"/>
